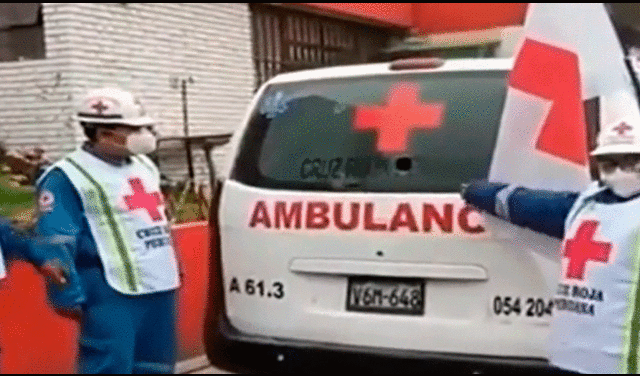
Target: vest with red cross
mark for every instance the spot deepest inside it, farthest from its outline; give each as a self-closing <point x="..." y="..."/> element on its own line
<point x="125" y="211"/>
<point x="595" y="303"/>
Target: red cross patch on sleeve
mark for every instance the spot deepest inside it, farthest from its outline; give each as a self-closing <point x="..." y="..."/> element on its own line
<point x="45" y="201"/>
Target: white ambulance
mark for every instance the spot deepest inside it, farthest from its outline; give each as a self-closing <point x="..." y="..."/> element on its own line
<point x="342" y="229"/>
<point x="341" y="239"/>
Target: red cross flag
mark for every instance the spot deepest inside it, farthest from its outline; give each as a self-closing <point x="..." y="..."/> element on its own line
<point x="569" y="54"/>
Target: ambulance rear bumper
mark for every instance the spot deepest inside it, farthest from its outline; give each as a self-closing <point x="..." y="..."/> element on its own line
<point x="253" y="353"/>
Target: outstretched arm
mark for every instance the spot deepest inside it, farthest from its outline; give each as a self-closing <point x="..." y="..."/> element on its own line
<point x="539" y="210"/>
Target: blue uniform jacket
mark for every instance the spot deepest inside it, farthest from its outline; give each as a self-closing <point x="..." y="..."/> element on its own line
<point x="64" y="216"/>
<point x="539" y="210"/>
<point x="544" y="211"/>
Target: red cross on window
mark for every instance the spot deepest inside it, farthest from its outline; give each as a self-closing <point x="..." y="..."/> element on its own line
<point x="622" y="128"/>
<point x="582" y="248"/>
<point x="99" y="107"/>
<point x="143" y="200"/>
<point x="402" y="113"/>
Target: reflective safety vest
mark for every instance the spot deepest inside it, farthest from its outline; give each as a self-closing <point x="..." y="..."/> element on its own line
<point x="596" y="324"/>
<point x="125" y="211"/>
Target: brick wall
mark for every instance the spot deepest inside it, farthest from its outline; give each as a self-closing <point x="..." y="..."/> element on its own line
<point x="143" y="47"/>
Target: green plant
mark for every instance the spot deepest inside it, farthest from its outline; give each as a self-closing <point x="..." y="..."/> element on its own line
<point x="18" y="201"/>
<point x="186" y="203"/>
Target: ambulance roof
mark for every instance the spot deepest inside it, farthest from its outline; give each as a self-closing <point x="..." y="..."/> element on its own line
<point x="473" y="64"/>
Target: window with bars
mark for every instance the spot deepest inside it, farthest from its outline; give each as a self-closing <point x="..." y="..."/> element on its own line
<point x="286" y="40"/>
<point x="21" y="31"/>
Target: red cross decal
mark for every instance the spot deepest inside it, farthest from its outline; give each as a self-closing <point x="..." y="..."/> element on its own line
<point x="401" y="114"/>
<point x="582" y="248"/>
<point x="622" y="128"/>
<point x="143" y="200"/>
<point x="99" y="106"/>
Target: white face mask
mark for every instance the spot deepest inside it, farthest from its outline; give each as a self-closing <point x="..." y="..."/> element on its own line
<point x="622" y="183"/>
<point x="142" y="142"/>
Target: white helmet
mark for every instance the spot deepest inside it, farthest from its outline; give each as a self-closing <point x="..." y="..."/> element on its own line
<point x="620" y="137"/>
<point x="112" y="106"/>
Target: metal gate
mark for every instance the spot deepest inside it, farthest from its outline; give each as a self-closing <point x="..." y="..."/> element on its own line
<point x="285" y="40"/>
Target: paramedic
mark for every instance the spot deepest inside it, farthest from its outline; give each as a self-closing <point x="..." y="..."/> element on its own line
<point x="596" y="319"/>
<point x="106" y="195"/>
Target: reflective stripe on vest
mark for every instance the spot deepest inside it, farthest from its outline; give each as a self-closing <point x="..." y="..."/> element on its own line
<point x="632" y="337"/>
<point x="113" y="226"/>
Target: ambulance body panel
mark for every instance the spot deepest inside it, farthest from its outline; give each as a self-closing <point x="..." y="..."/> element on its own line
<point x="333" y="233"/>
<point x="464" y="274"/>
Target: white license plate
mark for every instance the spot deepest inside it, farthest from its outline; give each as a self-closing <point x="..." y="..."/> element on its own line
<point x="386" y="295"/>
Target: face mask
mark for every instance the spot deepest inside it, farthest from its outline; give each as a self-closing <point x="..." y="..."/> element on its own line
<point x="622" y="183"/>
<point x="142" y="142"/>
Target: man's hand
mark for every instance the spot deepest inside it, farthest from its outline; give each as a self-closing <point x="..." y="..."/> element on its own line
<point x="55" y="272"/>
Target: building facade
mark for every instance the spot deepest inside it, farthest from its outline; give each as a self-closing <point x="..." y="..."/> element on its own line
<point x="144" y="47"/>
<point x="50" y="53"/>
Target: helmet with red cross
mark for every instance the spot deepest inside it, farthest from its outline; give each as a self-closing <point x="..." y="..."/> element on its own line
<point x="619" y="137"/>
<point x="618" y="156"/>
<point x="112" y="106"/>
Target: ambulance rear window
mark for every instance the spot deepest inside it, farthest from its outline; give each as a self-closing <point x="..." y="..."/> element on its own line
<point x="425" y="132"/>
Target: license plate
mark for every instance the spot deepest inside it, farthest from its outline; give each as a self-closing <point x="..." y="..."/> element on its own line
<point x="386" y="295"/>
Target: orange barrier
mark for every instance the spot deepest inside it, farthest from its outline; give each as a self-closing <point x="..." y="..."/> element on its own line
<point x="34" y="339"/>
<point x="192" y="245"/>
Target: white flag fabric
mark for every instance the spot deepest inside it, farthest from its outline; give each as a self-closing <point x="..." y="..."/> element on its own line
<point x="568" y="54"/>
<point x="542" y="137"/>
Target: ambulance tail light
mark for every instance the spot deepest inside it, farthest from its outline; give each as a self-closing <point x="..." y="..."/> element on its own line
<point x="417" y="63"/>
